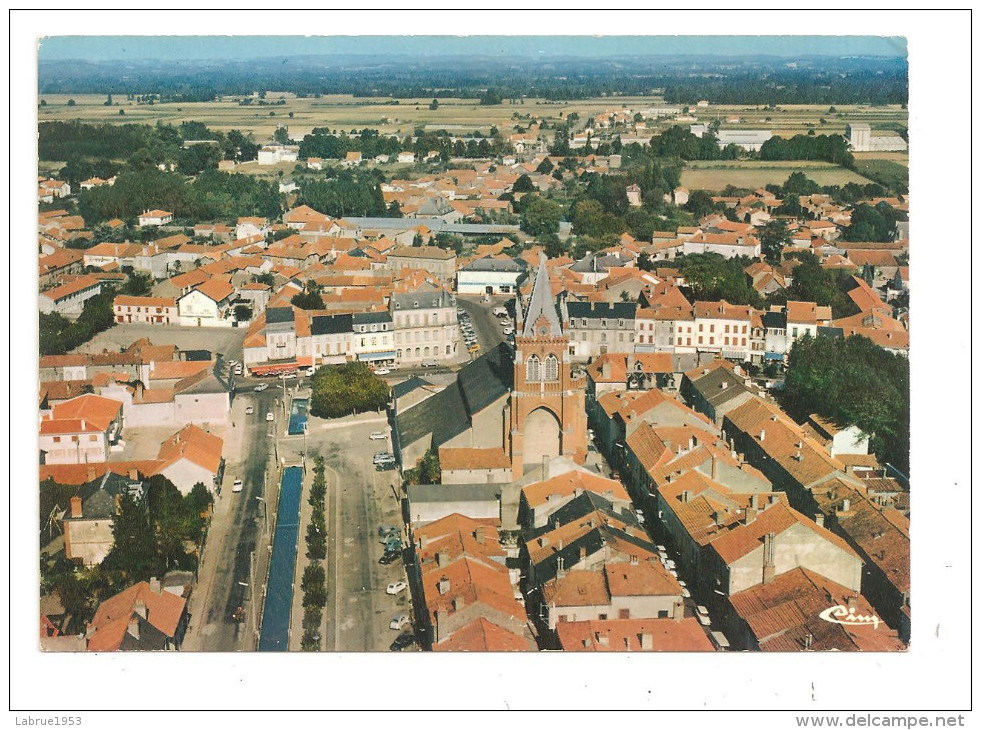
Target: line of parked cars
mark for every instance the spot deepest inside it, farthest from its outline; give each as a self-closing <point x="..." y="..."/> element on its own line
<point x="467" y="328"/>
<point x="383" y="461"/>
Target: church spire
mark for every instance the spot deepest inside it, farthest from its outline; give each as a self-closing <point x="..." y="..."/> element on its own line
<point x="541" y="306"/>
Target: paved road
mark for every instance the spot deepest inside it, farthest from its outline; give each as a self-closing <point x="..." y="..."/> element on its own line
<point x="237" y="530"/>
<point x="359" y="500"/>
<point x="486" y="325"/>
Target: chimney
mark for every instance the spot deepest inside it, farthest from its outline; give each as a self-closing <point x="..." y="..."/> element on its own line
<point x="83" y="424"/>
<point x="646" y="642"/>
<point x="76" y="507"/>
<point x="634" y="560"/>
<point x="754" y="501"/>
<point x="751" y="513"/>
<point x="602" y="639"/>
<point x="762" y="435"/>
<point x="442" y="558"/>
<point x="560" y="569"/>
<point x="457" y="603"/>
<point x="607" y="370"/>
<point x="134" y="475"/>
<point x="139" y="607"/>
<point x="819" y="519"/>
<point x="155" y="585"/>
<point x="852" y="602"/>
<point x="560" y="544"/>
<point x="773" y="499"/>
<point x="134" y="628"/>
<point x="723" y="385"/>
<point x="582" y="555"/>
<point x="423" y="542"/>
<point x="90" y="474"/>
<point x="443" y="586"/>
<point x="846" y="505"/>
<point x="769" y="568"/>
<point x="479" y="535"/>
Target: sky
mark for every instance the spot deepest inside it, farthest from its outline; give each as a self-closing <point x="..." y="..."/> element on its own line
<point x="167" y="48"/>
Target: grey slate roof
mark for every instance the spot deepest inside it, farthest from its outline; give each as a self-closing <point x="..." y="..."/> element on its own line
<point x="279" y="314"/>
<point x="331" y="324"/>
<point x="710" y="386"/>
<point x="592" y="541"/>
<point x="370" y="317"/>
<point x="453" y="492"/>
<point x="831" y="332"/>
<point x="596" y="310"/>
<point x="407" y="386"/>
<point x="448" y="413"/>
<point x="423" y="300"/>
<point x="489" y="264"/>
<point x="542" y="304"/>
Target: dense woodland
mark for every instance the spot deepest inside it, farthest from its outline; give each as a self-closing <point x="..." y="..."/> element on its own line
<point x="682" y="79"/>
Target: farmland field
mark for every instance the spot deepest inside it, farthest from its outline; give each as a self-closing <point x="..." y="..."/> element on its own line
<point x="752" y="174"/>
<point x="890" y="173"/>
<point x="459" y="115"/>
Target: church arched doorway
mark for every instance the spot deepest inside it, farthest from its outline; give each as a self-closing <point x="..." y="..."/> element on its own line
<point x="542" y="436"/>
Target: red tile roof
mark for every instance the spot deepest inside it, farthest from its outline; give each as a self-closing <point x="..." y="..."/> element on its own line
<point x="93" y="409"/>
<point x="482" y="635"/>
<point x="194" y="444"/>
<point x="163" y="612"/>
<point x="566" y="485"/>
<point x="663" y="634"/>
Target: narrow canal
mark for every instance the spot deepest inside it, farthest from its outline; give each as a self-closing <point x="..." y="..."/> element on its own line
<point x="279" y="591"/>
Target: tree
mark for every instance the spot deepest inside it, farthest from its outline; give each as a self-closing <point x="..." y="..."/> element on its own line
<point x="545" y="167"/>
<point x="712" y="277"/>
<point x="134" y="548"/>
<point x="137" y="285"/>
<point x="340" y="390"/>
<point x="773" y="237"/>
<point x="434" y="105"/>
<point x="539" y="215"/>
<point x="281" y="135"/>
<point x="313" y="585"/>
<point x="309" y="298"/>
<point x="852" y="381"/>
<point x="523" y="185"/>
<point x="243" y="312"/>
<point x="700" y="204"/>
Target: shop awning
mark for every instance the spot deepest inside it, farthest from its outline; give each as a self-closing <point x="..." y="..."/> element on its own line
<point x="772" y="356"/>
<point x="275" y="369"/>
<point x="373" y="356"/>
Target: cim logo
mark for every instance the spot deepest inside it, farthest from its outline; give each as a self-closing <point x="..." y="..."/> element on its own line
<point x="846" y="616"/>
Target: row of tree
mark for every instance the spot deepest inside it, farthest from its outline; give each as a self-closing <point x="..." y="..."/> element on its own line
<point x="313" y="583"/>
<point x="211" y="195"/>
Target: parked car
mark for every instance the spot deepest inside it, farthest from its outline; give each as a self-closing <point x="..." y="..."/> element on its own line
<point x="270" y="416"/>
<point x="382" y="457"/>
<point x="388" y="558"/>
<point x="382" y="371"/>
<point x="376" y="435"/>
<point x="261" y="387"/>
<point x="702" y="614"/>
<point x="249" y="410"/>
<point x="474" y="348"/>
<point x="685" y="593"/>
<point x="398" y="622"/>
<point x="238" y="369"/>
<point x="402" y="641"/>
<point x="289" y="376"/>
<point x="383" y="530"/>
<point x="237" y="485"/>
<point x="397" y="587"/>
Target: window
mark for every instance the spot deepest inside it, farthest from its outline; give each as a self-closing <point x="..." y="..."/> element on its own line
<point x="624" y="613"/>
<point x="619" y="323"/>
<point x="426" y="352"/>
<point x="711" y="328"/>
<point x="602" y="617"/>
<point x="744" y="329"/>
<point x="711" y="340"/>
<point x="447" y="349"/>
<point x="744" y="341"/>
<point x="726" y="339"/>
<point x="662" y="614"/>
<point x="93" y="437"/>
<point x="399" y="354"/>
<point x="701" y="327"/>
<point x="603" y="323"/>
<point x="670" y="341"/>
<point x="795" y="332"/>
<point x="533" y="369"/>
<point x="727" y="329"/>
<point x="699" y="339"/>
<point x="689" y="340"/>
<point x="551" y="368"/>
<point x="57" y="439"/>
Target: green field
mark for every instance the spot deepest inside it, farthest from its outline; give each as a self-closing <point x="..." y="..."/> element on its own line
<point x="752" y="174"/>
<point x="887" y="172"/>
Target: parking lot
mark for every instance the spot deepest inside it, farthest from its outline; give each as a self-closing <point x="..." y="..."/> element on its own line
<point x="360" y="499"/>
<point x="224" y="340"/>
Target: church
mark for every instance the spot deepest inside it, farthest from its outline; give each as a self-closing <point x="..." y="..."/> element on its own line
<point x="510" y="410"/>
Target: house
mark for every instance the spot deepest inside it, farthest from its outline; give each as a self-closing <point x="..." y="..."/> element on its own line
<point x="723" y="329"/>
<point x="69" y="298"/>
<point x="248" y="226"/>
<point x="540" y="500"/>
<point x="640" y="634"/>
<point x="432" y="502"/>
<point x="190" y="456"/>
<point x="490" y="275"/>
<point x="155" y="217"/>
<point x="596" y="328"/>
<point x="275" y="153"/>
<point x="468" y="600"/>
<point x="87" y="523"/>
<point x="406" y="157"/>
<point x="796" y="611"/>
<point x="80" y="430"/>
<point x="145" y="310"/>
<point x="353" y="159"/>
<point x="426" y="327"/>
<point x="474" y="465"/>
<point x="716" y="389"/>
<point x="144" y="617"/>
<point x="207" y="305"/>
<point x="835" y="438"/>
<point x="438" y="261"/>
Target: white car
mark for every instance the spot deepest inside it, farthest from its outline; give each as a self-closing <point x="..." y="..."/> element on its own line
<point x="261" y="387"/>
<point x="270" y="416"/>
<point x="377" y="435"/>
<point x="397" y="587"/>
<point x="249" y="410"/>
<point x="289" y="376"/>
<point x="237" y="485"/>
<point x="238" y="369"/>
<point x="398" y="622"/>
<point x="685" y="593"/>
<point x="382" y="371"/>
